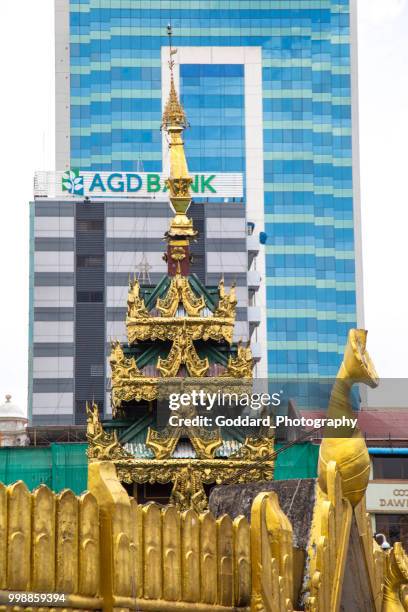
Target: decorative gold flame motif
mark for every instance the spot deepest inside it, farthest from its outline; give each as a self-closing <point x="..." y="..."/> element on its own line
<point x="180" y="292"/>
<point x="183" y="352"/>
<point x="219" y="325"/>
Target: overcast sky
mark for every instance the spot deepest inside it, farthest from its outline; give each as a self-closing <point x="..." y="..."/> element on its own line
<point x="27" y="143"/>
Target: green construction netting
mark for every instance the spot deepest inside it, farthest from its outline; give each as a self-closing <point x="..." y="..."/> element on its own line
<point x="64" y="466"/>
<point x="59" y="466"/>
<point x="69" y="467"/>
<point x="298" y="461"/>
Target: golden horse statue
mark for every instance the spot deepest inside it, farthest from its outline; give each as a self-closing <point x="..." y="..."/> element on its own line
<point x="348" y="448"/>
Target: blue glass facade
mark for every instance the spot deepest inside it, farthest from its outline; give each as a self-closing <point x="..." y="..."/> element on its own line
<point x="213" y="98"/>
<point x="115" y="109"/>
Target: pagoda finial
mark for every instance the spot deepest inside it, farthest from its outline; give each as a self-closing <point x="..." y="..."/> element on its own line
<point x="174" y="114"/>
<point x="178" y="183"/>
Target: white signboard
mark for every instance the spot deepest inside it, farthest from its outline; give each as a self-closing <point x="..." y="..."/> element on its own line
<point x="74" y="182"/>
<point x="387" y="497"/>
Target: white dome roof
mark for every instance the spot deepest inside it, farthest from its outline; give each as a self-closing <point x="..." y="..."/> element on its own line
<point x="10" y="410"/>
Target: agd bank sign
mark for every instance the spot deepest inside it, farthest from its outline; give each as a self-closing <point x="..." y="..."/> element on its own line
<point x="128" y="184"/>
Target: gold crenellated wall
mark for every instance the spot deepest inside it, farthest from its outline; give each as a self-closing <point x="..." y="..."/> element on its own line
<point x="49" y="543"/>
<point x="159" y="558"/>
<point x="106" y="552"/>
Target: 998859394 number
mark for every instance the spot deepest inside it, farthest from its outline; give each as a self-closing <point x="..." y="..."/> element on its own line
<point x="31" y="599"/>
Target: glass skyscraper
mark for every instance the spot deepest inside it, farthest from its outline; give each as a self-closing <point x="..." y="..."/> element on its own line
<point x="268" y="88"/>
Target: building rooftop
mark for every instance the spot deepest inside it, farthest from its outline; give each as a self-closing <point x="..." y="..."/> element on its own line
<point x="385" y="425"/>
<point x="9" y="410"/>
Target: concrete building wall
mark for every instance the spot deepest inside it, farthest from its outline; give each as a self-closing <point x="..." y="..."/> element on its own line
<point x="62" y="85"/>
<point x="83" y="255"/>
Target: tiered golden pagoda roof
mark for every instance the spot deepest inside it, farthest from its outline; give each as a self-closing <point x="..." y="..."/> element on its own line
<point x="182" y="318"/>
<point x="179" y="339"/>
<point x="180" y="309"/>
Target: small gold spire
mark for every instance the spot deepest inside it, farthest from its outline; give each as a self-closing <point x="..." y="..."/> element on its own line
<point x="174" y="114"/>
<point x="174" y="122"/>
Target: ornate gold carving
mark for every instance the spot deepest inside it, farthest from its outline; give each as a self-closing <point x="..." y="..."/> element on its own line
<point x="102" y="445"/>
<point x="227" y="302"/>
<point x="122" y="367"/>
<point x="106" y="552"/>
<point x="136" y="390"/>
<point x="271" y="556"/>
<point x="205" y="471"/>
<point x="204" y="441"/>
<point x="128" y="382"/>
<point x="167" y="306"/>
<point x="178" y="253"/>
<point x="168" y="328"/>
<point x="174" y="114"/>
<point x="218" y="327"/>
<point x="188" y="491"/>
<point x="242" y="365"/>
<point x="149" y="389"/>
<point x="136" y="306"/>
<point x="183" y="352"/>
<point x="396" y="577"/>
<point x="328" y="545"/>
<point x="181" y="225"/>
<point x="262" y="445"/>
<point x="179" y="187"/>
<point x="162" y="442"/>
<point x="348" y="448"/>
<point x="180" y="292"/>
<point x="192" y="303"/>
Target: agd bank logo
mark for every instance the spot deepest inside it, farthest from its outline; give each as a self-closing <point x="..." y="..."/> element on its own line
<point x="73" y="182"/>
<point x="79" y="183"/>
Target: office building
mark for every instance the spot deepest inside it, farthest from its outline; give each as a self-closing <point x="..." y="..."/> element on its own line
<point x="83" y="252"/>
<point x="270" y="91"/>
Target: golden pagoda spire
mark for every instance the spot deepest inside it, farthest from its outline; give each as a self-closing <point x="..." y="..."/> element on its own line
<point x="173" y="112"/>
<point x="181" y="228"/>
